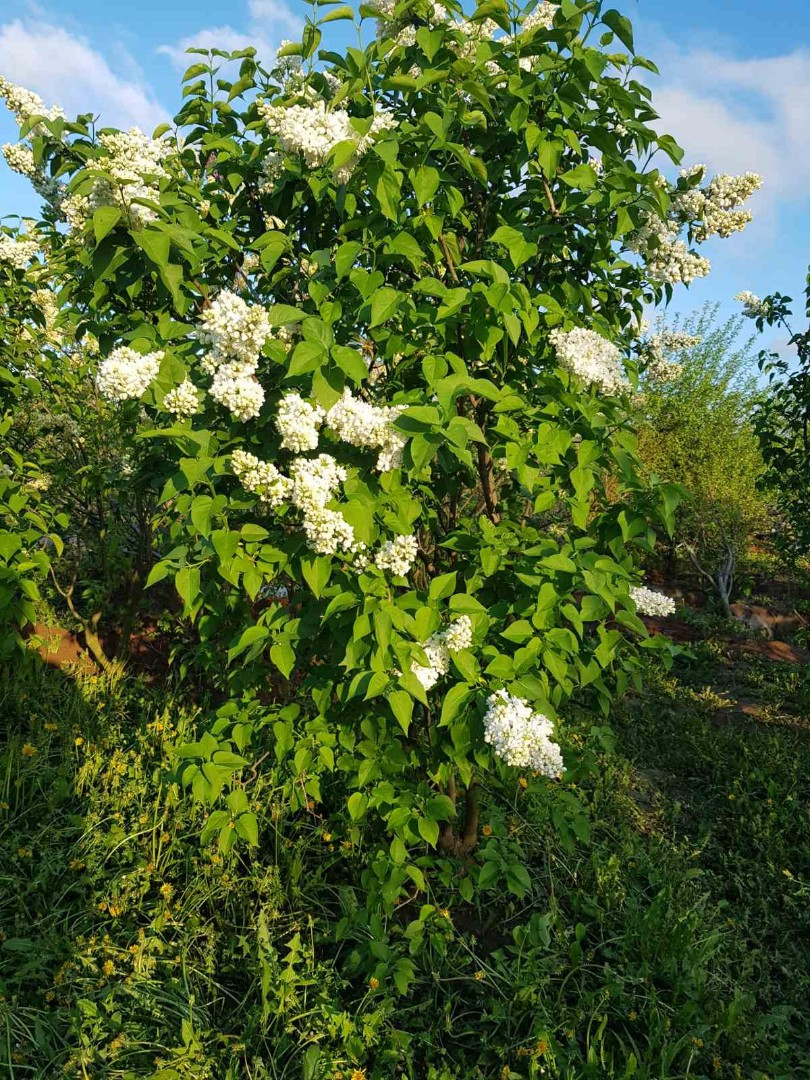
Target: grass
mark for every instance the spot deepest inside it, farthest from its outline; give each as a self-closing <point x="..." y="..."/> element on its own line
<point x="665" y="936"/>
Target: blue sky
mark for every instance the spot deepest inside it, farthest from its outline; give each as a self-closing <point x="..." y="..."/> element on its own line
<point x="734" y="90"/>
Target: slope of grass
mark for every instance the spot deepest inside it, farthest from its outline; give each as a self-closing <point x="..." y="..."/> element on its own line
<point x="664" y="936"/>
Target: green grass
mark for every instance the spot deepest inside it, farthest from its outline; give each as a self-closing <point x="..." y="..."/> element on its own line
<point x="665" y="936"/>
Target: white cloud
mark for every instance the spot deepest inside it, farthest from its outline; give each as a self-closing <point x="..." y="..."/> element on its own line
<point x="739" y="115"/>
<point x="268" y="22"/>
<point x="65" y="70"/>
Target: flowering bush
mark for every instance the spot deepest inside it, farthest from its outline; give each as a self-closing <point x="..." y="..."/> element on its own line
<point x="380" y="309"/>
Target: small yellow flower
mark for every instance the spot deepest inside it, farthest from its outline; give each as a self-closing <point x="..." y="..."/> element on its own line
<point x="114" y="909"/>
<point x="479" y="975"/>
<point x="373" y="983"/>
<point x="359" y="1074"/>
<point x="51" y="727"/>
<point x="542" y="1046"/>
<point x="487" y="830"/>
<point x="24" y="852"/>
<point x="444" y="912"/>
<point x="28" y="750"/>
<point x="697" y="1042"/>
<point x="632" y="1015"/>
<point x="524" y="783"/>
<point x="78" y="741"/>
<point x="327" y="836"/>
<point x="108" y="968"/>
<point x="166" y="890"/>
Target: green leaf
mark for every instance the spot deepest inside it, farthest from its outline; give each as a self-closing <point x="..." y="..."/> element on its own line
<point x="402" y="707"/>
<point x="250" y="636"/>
<point x="342" y="12"/>
<point x="346" y="257"/>
<point x="582" y="176"/>
<point x="384" y="302"/>
<point x="443" y="585"/>
<point x="425" y="183"/>
<point x="104" y="221"/>
<point x="154" y="244"/>
<point x="621" y="27"/>
<point x="358" y="801"/>
<point x="283" y="656"/>
<point x="187" y="583"/>
<point x="201" y="513"/>
<point x="317" y="573"/>
<point x="247" y="827"/>
<point x="455" y="701"/>
<point x="428" y="830"/>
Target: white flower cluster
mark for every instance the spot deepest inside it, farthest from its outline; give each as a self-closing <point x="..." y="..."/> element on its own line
<point x="310" y="486"/>
<point x="236" y="387"/>
<point x="135" y="163"/>
<point x="18" y="251"/>
<point x="543" y="15"/>
<point x="651" y="602"/>
<point x="520" y="736"/>
<point x="667" y="259"/>
<point x="298" y="422"/>
<point x="236" y="332"/>
<point x="182" y="400"/>
<point x="753" y="306"/>
<point x="234" y="329"/>
<point x="716" y="207"/>
<point x="360" y="423"/>
<point x="438" y="649"/>
<point x="713" y="210"/>
<point x="313" y="131"/>
<point x="20" y="158"/>
<point x="654" y="351"/>
<point x="25" y="104"/>
<point x="126" y="373"/>
<point x="261" y="478"/>
<point x="590" y="356"/>
<point x="397" y="556"/>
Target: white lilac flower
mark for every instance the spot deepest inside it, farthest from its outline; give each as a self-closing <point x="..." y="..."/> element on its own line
<point x="315" y="481"/>
<point x="651" y="602"/>
<point x="233" y="328"/>
<point x="713" y="210"/>
<point x="18" y="251"/>
<point x="667" y="259"/>
<point x="543" y="16"/>
<point x="313" y="131"/>
<point x="438" y="656"/>
<point x="438" y="649"/>
<point x="397" y="556"/>
<point x="327" y="531"/>
<point x="360" y="423"/>
<point x="298" y="422"/>
<point x="261" y="478"/>
<point x="126" y="373"/>
<point x="236" y="388"/>
<point x="590" y="356"/>
<point x="20" y="158"/>
<point x="182" y="400"/>
<point x="135" y="165"/>
<point x="521" y="736"/>
<point x="25" y="103"/>
<point x="753" y="306"/>
<point x="658" y="365"/>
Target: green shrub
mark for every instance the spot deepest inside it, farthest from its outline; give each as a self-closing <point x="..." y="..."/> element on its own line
<point x="697" y="431"/>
